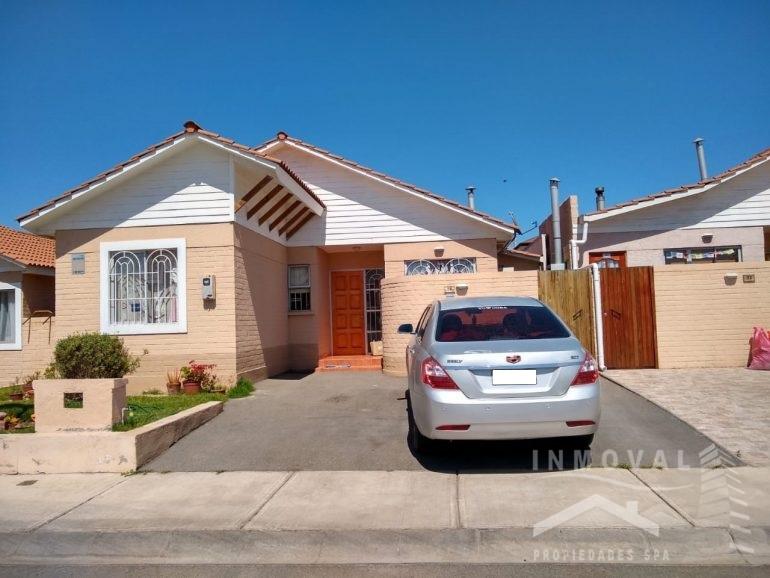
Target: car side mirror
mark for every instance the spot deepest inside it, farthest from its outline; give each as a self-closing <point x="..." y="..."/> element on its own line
<point x="406" y="328"/>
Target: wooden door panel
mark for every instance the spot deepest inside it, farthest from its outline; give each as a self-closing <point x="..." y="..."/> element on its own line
<point x="628" y="311"/>
<point x="348" y="313"/>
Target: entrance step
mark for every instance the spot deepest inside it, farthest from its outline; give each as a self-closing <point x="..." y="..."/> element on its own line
<point x="350" y="363"/>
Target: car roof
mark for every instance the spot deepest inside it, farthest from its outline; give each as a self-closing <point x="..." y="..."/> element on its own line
<point x="501" y="301"/>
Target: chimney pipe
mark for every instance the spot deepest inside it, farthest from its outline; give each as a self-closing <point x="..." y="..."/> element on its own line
<point x="471" y="196"/>
<point x="599" y="198"/>
<point x="556" y="260"/>
<point x="701" y="158"/>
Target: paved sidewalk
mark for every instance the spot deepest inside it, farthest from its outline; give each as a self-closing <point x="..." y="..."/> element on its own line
<point x="384" y="517"/>
<point x="731" y="405"/>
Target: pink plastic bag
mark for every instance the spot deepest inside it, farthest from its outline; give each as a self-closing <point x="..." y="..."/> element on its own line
<point x="760" y="350"/>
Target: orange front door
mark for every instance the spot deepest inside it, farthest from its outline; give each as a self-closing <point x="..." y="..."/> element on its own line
<point x="348" y="313"/>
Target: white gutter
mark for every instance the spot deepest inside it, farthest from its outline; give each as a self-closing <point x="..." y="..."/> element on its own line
<point x="598" y="316"/>
<point x="573" y="243"/>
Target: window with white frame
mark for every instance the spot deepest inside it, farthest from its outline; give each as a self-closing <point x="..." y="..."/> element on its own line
<point x="143" y="287"/>
<point x="299" y="288"/>
<point x="10" y="316"/>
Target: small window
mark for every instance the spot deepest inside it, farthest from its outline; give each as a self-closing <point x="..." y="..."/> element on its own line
<point x="10" y="317"/>
<point x="143" y="287"/>
<point x="299" y="287"/>
<point x="695" y="255"/>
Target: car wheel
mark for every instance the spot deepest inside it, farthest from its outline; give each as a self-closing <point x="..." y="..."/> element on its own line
<point x="418" y="442"/>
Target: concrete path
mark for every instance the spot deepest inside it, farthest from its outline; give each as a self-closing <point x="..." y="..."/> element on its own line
<point x="357" y="421"/>
<point x="695" y="516"/>
<point x="729" y="405"/>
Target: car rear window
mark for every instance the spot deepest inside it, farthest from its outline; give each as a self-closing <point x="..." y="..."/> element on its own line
<point x="498" y="323"/>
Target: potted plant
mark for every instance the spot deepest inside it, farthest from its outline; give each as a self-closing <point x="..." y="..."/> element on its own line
<point x="173" y="382"/>
<point x="26" y="386"/>
<point x="197" y="377"/>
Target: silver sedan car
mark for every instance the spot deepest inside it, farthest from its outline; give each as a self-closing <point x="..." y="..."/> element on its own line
<point x="498" y="368"/>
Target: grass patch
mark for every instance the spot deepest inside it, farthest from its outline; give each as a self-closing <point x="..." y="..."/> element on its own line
<point x="144" y="409"/>
<point x="22" y="410"/>
<point x="242" y="388"/>
<point x="5" y="393"/>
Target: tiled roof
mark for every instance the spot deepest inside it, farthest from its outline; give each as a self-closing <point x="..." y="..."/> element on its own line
<point x="27" y="248"/>
<point x="729" y="173"/>
<point x="282" y="136"/>
<point x="189" y="127"/>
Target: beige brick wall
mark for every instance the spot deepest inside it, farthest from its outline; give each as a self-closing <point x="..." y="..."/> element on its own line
<point x="262" y="335"/>
<point x="405" y="298"/>
<point x="210" y="336"/>
<point x="702" y="320"/>
<point x="36" y="332"/>
<point x="484" y="250"/>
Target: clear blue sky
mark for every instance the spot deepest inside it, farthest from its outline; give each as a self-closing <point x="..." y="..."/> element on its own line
<point x="500" y="94"/>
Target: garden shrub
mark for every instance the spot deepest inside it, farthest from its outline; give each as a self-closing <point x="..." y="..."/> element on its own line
<point x="242" y="388"/>
<point x="92" y="356"/>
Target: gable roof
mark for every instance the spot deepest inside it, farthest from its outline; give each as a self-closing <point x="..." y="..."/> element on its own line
<point x="190" y="129"/>
<point x="26" y="248"/>
<point x="681" y="191"/>
<point x="283" y="137"/>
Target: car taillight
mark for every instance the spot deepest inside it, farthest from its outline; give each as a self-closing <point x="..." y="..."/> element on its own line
<point x="435" y="376"/>
<point x="588" y="372"/>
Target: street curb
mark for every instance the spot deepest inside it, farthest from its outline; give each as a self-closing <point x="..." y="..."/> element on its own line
<point x="694" y="546"/>
<point x="739" y="461"/>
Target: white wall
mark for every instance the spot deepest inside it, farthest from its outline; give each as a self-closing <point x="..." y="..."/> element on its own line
<point x="361" y="211"/>
<point x="191" y="185"/>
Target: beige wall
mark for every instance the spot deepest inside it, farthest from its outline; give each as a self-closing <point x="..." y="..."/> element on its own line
<point x="703" y="320"/>
<point x="646" y="247"/>
<point x="210" y="336"/>
<point x="484" y="250"/>
<point x="36" y="332"/>
<point x="405" y="298"/>
<point x="262" y="334"/>
<point x="308" y="330"/>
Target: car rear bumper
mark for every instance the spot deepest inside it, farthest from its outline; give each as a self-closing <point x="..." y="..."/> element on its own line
<point x="505" y="418"/>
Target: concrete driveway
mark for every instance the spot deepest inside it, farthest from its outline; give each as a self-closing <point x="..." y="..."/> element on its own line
<point x="730" y="405"/>
<point x="357" y="421"/>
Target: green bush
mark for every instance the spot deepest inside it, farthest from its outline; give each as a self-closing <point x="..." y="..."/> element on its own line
<point x="91" y="356"/>
<point x="242" y="388"/>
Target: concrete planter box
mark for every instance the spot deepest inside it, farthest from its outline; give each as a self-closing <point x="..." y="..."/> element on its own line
<point x="99" y="451"/>
<point x="103" y="402"/>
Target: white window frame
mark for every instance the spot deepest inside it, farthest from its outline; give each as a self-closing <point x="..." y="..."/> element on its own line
<point x="16" y="287"/>
<point x="309" y="287"/>
<point x="105" y="249"/>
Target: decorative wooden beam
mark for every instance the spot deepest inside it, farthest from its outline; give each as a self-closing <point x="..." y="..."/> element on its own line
<point x="293" y="220"/>
<point x="299" y="225"/>
<point x="263" y="201"/>
<point x="271" y="211"/>
<point x="285" y="214"/>
<point x="255" y="189"/>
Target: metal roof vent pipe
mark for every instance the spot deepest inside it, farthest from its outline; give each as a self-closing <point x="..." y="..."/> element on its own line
<point x="599" y="198"/>
<point x="701" y="158"/>
<point x="471" y="197"/>
<point x="557" y="262"/>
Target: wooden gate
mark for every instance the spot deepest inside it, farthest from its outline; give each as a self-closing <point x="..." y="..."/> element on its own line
<point x="569" y="294"/>
<point x="628" y="311"/>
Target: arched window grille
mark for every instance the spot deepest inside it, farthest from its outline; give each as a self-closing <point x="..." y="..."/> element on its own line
<point x="143" y="287"/>
<point x="440" y="266"/>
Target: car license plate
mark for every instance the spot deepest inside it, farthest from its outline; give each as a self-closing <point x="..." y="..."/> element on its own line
<point x="514" y="377"/>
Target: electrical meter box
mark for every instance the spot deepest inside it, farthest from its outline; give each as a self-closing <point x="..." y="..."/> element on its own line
<point x="209" y="287"/>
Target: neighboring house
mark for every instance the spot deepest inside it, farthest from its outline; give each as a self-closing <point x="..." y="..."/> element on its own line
<point x="260" y="260"/>
<point x="26" y="302"/>
<point x="725" y="218"/>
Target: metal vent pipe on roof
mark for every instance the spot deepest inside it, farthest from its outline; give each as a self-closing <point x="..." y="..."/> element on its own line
<point x="471" y="197"/>
<point x="701" y="158"/>
<point x="557" y="262"/>
<point x="599" y="198"/>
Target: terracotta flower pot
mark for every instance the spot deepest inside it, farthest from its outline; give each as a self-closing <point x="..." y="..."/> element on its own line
<point x="192" y="387"/>
<point x="17" y="396"/>
<point x="174" y="388"/>
<point x="27" y="387"/>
